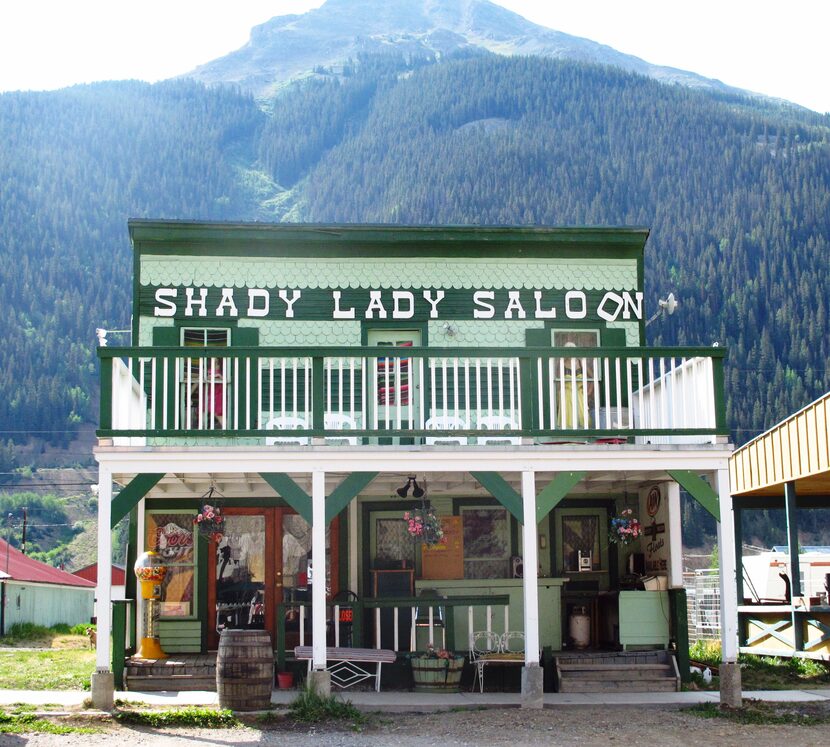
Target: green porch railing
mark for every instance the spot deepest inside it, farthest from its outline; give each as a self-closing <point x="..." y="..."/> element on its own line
<point x="123" y="637"/>
<point x="359" y="620"/>
<point x="370" y="395"/>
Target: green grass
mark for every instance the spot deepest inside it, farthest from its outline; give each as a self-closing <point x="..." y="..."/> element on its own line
<point x="764" y="714"/>
<point x="49" y="669"/>
<point x="206" y="718"/>
<point x="311" y="708"/>
<point x="20" y="721"/>
<point x="764" y="672"/>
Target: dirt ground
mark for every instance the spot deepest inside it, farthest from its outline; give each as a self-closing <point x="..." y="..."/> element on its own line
<point x="664" y="726"/>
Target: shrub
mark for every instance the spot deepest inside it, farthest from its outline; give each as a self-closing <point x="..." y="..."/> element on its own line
<point x="27" y="631"/>
<point x="310" y="707"/>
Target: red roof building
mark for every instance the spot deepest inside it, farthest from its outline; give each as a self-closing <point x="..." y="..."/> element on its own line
<point x="90" y="573"/>
<point x="20" y="567"/>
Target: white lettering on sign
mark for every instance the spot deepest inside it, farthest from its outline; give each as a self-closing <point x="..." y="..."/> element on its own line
<point x="201" y="302"/>
<point x="540" y="313"/>
<point x="433" y="303"/>
<point x="581" y="309"/>
<point x="375" y="304"/>
<point x="399" y="304"/>
<point x="262" y="295"/>
<point x="163" y="296"/>
<point x="283" y="294"/>
<point x="514" y="304"/>
<point x="397" y="311"/>
<point x="486" y="311"/>
<point x="338" y="312"/>
<point x="227" y="302"/>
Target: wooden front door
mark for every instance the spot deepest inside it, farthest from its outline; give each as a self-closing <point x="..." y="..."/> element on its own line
<point x="262" y="560"/>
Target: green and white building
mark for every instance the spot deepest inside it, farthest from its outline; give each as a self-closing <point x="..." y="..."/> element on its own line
<point x="300" y="375"/>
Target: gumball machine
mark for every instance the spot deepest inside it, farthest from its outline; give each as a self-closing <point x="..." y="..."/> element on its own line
<point x="150" y="570"/>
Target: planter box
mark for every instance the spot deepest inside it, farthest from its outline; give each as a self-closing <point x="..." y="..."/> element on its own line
<point x="432" y="675"/>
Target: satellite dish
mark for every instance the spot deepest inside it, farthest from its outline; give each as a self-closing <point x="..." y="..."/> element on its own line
<point x="669" y="305"/>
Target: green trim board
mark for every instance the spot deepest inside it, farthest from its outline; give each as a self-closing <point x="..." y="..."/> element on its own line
<point x="501" y="490"/>
<point x="131" y="494"/>
<point x="346" y="491"/>
<point x="292" y="493"/>
<point x="263" y="239"/>
<point x="555" y="491"/>
<point x="699" y="489"/>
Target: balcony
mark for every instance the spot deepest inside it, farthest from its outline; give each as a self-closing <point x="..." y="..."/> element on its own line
<point x="456" y="397"/>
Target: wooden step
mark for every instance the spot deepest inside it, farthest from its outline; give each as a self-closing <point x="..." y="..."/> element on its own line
<point x="615" y="668"/>
<point x="143" y="683"/>
<point x="657" y="684"/>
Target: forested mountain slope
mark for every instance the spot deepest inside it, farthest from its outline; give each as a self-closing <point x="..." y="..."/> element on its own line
<point x="74" y="165"/>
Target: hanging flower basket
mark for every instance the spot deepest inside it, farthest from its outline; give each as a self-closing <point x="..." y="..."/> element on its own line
<point x="424" y="525"/>
<point x="625" y="528"/>
<point x="210" y="522"/>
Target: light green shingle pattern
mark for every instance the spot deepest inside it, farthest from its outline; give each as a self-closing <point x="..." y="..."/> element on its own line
<point x="281" y="332"/>
<point x="485" y="333"/>
<point x="632" y="332"/>
<point x="585" y="274"/>
<point x="146" y="324"/>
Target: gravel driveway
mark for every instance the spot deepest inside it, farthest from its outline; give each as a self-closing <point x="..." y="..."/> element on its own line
<point x="615" y="725"/>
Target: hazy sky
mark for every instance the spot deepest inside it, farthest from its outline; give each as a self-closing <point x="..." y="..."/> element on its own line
<point x="764" y="46"/>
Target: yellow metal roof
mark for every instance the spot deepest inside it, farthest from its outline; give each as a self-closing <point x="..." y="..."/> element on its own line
<point x="796" y="450"/>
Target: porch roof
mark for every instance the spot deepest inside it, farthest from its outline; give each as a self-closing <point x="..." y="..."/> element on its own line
<point x="236" y="471"/>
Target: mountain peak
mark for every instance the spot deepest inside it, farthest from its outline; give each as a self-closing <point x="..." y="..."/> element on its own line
<point x="290" y="47"/>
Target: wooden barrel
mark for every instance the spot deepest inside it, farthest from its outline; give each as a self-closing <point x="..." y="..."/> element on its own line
<point x="245" y="670"/>
<point x="437" y="675"/>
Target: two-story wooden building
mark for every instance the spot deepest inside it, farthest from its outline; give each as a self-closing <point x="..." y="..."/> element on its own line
<point x="319" y="381"/>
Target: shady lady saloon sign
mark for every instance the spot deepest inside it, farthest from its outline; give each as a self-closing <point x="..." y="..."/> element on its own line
<point x="401" y="304"/>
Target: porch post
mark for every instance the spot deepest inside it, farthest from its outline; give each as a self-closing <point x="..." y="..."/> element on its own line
<point x="103" y="684"/>
<point x="730" y="680"/>
<point x="675" y="538"/>
<point x="319" y="678"/>
<point x="532" y="674"/>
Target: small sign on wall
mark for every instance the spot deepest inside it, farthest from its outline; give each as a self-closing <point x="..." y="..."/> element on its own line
<point x="654" y="510"/>
<point x="446" y="559"/>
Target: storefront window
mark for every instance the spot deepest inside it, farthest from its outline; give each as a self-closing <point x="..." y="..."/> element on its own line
<point x="171" y="534"/>
<point x="486" y="542"/>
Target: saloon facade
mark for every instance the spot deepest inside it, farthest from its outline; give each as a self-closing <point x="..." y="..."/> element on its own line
<point x="318" y="382"/>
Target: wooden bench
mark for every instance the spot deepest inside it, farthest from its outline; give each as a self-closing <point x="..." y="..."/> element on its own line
<point x="345" y="668"/>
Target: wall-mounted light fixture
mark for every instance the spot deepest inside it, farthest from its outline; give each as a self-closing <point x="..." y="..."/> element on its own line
<point x="417" y="490"/>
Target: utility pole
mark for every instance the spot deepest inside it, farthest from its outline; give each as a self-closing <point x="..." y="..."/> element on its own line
<point x="23" y="541"/>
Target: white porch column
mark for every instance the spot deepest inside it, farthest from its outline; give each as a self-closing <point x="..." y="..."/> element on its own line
<point x="675" y="535"/>
<point x="530" y="566"/>
<point x="318" y="560"/>
<point x="532" y="675"/>
<point x="104" y="587"/>
<point x="103" y="684"/>
<point x="730" y="672"/>
<point x="728" y="578"/>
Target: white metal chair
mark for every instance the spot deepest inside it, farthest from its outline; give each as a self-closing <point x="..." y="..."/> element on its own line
<point x="487" y="647"/>
<point x="337" y="421"/>
<point x="498" y="423"/>
<point x="445" y="423"/>
<point x="285" y="423"/>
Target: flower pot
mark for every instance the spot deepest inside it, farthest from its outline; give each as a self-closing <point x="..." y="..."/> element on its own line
<point x="285" y="680"/>
<point x="437" y="675"/>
